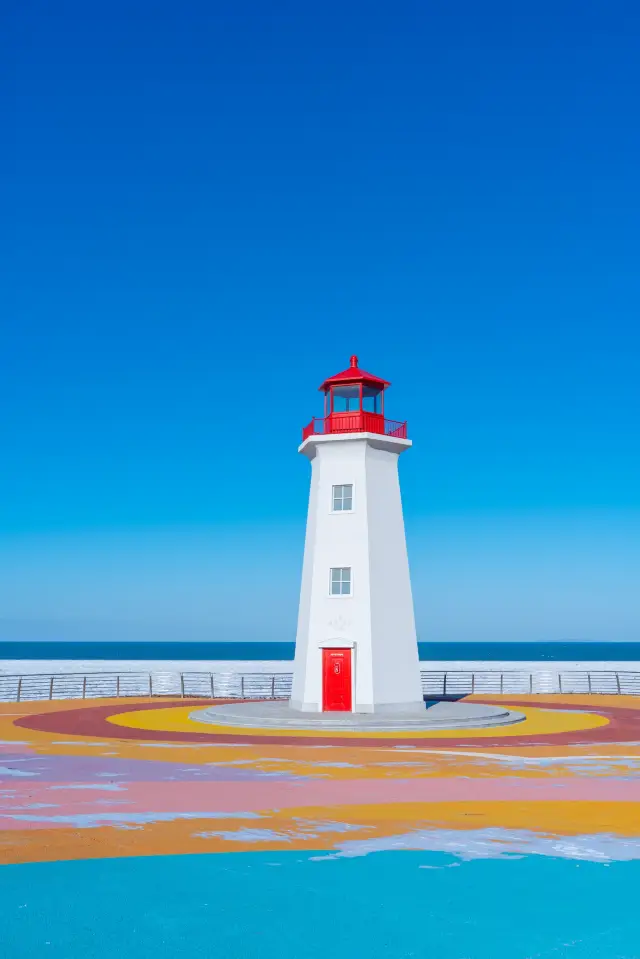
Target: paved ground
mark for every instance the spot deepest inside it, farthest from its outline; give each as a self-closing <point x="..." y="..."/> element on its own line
<point x="128" y="829"/>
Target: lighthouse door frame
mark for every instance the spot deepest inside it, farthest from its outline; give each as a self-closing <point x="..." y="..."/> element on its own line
<point x="341" y="644"/>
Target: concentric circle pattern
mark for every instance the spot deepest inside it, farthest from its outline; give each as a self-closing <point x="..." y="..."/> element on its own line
<point x="564" y="724"/>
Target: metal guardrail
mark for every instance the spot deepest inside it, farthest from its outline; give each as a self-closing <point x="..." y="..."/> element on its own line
<point x="358" y="421"/>
<point x="212" y="685"/>
<point x="33" y="687"/>
<point x="514" y="682"/>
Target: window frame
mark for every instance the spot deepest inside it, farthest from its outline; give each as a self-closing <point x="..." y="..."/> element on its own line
<point x="340" y="595"/>
<point x="334" y="487"/>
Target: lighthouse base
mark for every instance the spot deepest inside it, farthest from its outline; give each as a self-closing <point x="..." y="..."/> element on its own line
<point x="385" y="709"/>
<point x="279" y="715"/>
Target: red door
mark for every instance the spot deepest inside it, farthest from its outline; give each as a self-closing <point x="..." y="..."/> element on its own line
<point x="336" y="680"/>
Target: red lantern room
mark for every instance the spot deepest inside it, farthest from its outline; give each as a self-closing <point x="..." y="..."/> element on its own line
<point x="354" y="403"/>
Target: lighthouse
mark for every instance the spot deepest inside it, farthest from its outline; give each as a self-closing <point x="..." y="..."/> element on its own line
<point x="356" y="647"/>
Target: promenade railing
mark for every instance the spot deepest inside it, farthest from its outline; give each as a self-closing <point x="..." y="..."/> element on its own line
<point x="453" y="683"/>
<point x="277" y="685"/>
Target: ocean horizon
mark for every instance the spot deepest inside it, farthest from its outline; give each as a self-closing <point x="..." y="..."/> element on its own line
<point x="265" y="651"/>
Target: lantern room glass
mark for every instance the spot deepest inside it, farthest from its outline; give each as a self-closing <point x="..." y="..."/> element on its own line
<point x="354" y="398"/>
<point x="345" y="399"/>
<point x="371" y="399"/>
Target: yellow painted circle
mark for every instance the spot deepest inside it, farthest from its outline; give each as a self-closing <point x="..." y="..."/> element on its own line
<point x="537" y="721"/>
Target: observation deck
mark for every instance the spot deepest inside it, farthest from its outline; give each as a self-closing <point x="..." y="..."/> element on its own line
<point x="358" y="421"/>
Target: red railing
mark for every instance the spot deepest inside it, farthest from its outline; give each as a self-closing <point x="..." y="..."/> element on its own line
<point x="358" y="422"/>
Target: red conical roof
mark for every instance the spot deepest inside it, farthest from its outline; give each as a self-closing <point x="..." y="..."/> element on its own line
<point x="355" y="375"/>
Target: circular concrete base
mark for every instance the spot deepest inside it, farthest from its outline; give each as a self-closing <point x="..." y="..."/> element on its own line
<point x="278" y="715"/>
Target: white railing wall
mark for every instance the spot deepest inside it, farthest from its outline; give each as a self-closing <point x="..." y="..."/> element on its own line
<point x="514" y="682"/>
<point x="108" y="685"/>
<point x="212" y="685"/>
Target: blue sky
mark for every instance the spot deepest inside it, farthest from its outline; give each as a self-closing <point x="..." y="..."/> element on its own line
<point x="207" y="207"/>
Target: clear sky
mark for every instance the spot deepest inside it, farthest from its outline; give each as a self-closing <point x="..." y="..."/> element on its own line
<point x="208" y="206"/>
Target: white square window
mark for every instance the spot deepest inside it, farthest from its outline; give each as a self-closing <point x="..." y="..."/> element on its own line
<point x="340" y="582"/>
<point x="342" y="498"/>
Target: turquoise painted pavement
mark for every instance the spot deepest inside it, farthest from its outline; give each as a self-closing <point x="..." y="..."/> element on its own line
<point x="387" y="905"/>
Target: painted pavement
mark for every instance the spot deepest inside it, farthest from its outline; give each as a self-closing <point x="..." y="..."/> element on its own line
<point x="129" y="829"/>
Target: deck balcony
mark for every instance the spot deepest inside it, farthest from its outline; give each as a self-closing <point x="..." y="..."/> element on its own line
<point x="357" y="421"/>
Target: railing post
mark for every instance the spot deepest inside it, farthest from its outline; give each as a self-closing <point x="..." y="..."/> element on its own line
<point x="242" y="686"/>
<point x="560" y="681"/>
<point x="118" y="685"/>
<point x="273" y="687"/>
<point x="501" y="683"/>
<point x="51" y="689"/>
<point x="84" y="687"/>
<point x="530" y="683"/>
<point x="618" y="682"/>
<point x="150" y="685"/>
<point x="20" y="688"/>
<point x="211" y="678"/>
<point x="589" y="680"/>
<point x="444" y="685"/>
<point x="473" y="683"/>
<point x="182" y="685"/>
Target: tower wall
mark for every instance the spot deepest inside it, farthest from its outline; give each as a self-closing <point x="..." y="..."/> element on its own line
<point x="376" y="619"/>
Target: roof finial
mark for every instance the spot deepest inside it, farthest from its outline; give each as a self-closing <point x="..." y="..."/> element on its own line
<point x="354" y="361"/>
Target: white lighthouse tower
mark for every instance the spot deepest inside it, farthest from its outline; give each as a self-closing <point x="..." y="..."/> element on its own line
<point x="356" y="647"/>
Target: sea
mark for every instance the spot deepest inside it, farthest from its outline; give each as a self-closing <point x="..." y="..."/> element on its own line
<point x="281" y="652"/>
